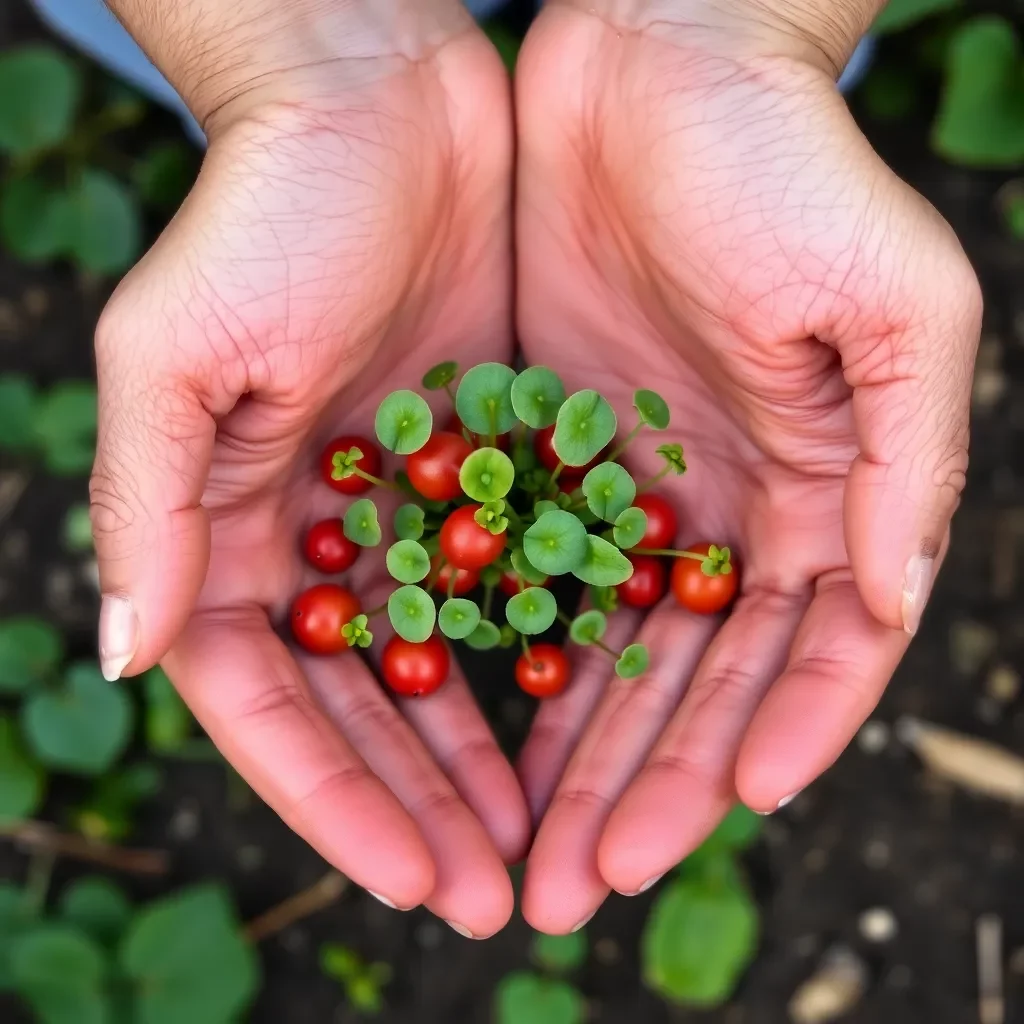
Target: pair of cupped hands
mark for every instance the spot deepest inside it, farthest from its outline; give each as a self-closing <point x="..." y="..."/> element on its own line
<point x="676" y="199"/>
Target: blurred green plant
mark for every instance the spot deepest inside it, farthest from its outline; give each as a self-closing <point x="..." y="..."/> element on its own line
<point x="545" y="996"/>
<point x="363" y="982"/>
<point x="56" y="426"/>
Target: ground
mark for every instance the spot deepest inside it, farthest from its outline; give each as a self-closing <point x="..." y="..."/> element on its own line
<point x="875" y="831"/>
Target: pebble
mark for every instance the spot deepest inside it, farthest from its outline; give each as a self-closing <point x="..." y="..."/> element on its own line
<point x="878" y="924"/>
<point x="877" y="853"/>
<point x="971" y="644"/>
<point x="184" y="823"/>
<point x="429" y="935"/>
<point x="873" y="737"/>
<point x="1003" y="684"/>
<point x="836" y="987"/>
<point x="295" y="941"/>
<point x="607" y="951"/>
<point x="36" y="301"/>
<point x="988" y="710"/>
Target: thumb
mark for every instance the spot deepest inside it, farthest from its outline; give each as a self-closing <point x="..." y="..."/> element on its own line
<point x="911" y="403"/>
<point x="153" y="456"/>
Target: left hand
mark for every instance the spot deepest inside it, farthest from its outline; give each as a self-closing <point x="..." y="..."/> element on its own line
<point x="699" y="214"/>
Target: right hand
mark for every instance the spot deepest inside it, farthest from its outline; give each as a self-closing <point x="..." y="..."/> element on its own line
<point x="350" y="228"/>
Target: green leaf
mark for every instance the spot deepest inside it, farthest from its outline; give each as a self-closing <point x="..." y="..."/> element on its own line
<point x="487" y="474"/>
<point x="412" y="613"/>
<point x="588" y="627"/>
<point x="980" y="122"/>
<point x="408" y="561"/>
<point x="357" y="632"/>
<point x="491" y="516"/>
<point x="652" y="409"/>
<point x="484" y="399"/>
<point x="165" y="174"/>
<point x="440" y="376"/>
<point x="532" y="611"/>
<point x="737" y="831"/>
<point x="526" y="998"/>
<point x="30" y="651"/>
<point x="673" y="455"/>
<point x="189" y="960"/>
<point x="34" y="219"/>
<point x="403" y="422"/>
<point x="556" y="543"/>
<point x="604" y="599"/>
<point x="901" y="14"/>
<point x="39" y="92"/>
<point x="603" y="565"/>
<point x="890" y="92"/>
<point x="97" y="907"/>
<point x="61" y="974"/>
<point x="361" y="525"/>
<point x="107" y="814"/>
<point x="698" y="940"/>
<point x="559" y="953"/>
<point x="104" y="226"/>
<point x="65" y="427"/>
<point x="22" y="781"/>
<point x="167" y="721"/>
<point x="609" y="490"/>
<point x="409" y="522"/>
<point x="537" y="395"/>
<point x="522" y="567"/>
<point x="81" y="727"/>
<point x="77" y="529"/>
<point x="585" y="425"/>
<point x="634" y="661"/>
<point x="458" y="618"/>
<point x="17" y="916"/>
<point x="544" y="505"/>
<point x="485" y="637"/>
<point x="630" y="527"/>
<point x="17" y="411"/>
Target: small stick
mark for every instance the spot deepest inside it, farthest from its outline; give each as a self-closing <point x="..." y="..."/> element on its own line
<point x="991" y="1003"/>
<point x="317" y="897"/>
<point x="38" y="836"/>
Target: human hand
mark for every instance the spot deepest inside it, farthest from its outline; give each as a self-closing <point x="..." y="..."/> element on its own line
<point x="349" y="229"/>
<point x="698" y="213"/>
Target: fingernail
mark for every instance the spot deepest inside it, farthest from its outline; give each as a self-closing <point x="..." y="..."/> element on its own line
<point x="584" y="922"/>
<point x="917" y="586"/>
<point x="383" y="899"/>
<point x="119" y="635"/>
<point x="464" y="932"/>
<point x="784" y="802"/>
<point x="651" y="882"/>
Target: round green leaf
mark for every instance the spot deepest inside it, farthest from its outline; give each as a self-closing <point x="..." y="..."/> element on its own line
<point x="521" y="565"/>
<point x="652" y="409"/>
<point x="609" y="490"/>
<point x="361" y="525"/>
<point x="61" y="974"/>
<point x="189" y="961"/>
<point x="673" y="456"/>
<point x="39" y="92"/>
<point x="409" y="522"/>
<point x="81" y="727"/>
<point x="167" y="720"/>
<point x="104" y="226"/>
<point x="630" y="527"/>
<point x="603" y="564"/>
<point x="22" y="781"/>
<point x="484" y="399"/>
<point x="17" y="916"/>
<point x="532" y="611"/>
<point x="545" y="505"/>
<point x="537" y="395"/>
<point x="604" y="599"/>
<point x="165" y="174"/>
<point x="634" y="661"/>
<point x="18" y="400"/>
<point x="30" y="651"/>
<point x="585" y="425"/>
<point x="440" y="376"/>
<point x="97" y="906"/>
<point x="558" y="953"/>
<point x="487" y="475"/>
<point x="588" y="627"/>
<point x="556" y="543"/>
<point x="403" y="422"/>
<point x="408" y="561"/>
<point x="34" y="219"/>
<point x="458" y="618"/>
<point x="77" y="529"/>
<point x="65" y="427"/>
<point x="412" y="613"/>
<point x="526" y="998"/>
<point x="485" y="637"/>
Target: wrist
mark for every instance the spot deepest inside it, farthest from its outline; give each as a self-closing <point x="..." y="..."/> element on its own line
<point x="227" y="56"/>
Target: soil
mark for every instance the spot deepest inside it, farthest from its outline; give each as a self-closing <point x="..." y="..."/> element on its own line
<point x="875" y="831"/>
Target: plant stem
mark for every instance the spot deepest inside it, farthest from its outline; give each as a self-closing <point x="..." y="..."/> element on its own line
<point x="37" y="884"/>
<point x="377" y="481"/>
<point x="607" y="650"/>
<point x="435" y="574"/>
<point x="451" y="394"/>
<point x="526" y="647"/>
<point x="492" y="415"/>
<point x="488" y="601"/>
<point x="626" y="442"/>
<point x="452" y="580"/>
<point x="563" y="618"/>
<point x="553" y="479"/>
<point x="379" y="610"/>
<point x="37" y="835"/>
<point x="317" y="897"/>
<point x="659" y="476"/>
<point x="669" y="553"/>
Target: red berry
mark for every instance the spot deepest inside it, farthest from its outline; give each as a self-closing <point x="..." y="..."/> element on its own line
<point x="328" y="549"/>
<point x="369" y="463"/>
<point x="318" y="614"/>
<point x="415" y="670"/>
<point x="466" y="544"/>
<point x="698" y="592"/>
<point x="456" y="426"/>
<point x="509" y="583"/>
<point x="543" y="445"/>
<point x="662" y="524"/>
<point x="434" y="469"/>
<point x="465" y="579"/>
<point x="544" y="672"/>
<point x="648" y="584"/>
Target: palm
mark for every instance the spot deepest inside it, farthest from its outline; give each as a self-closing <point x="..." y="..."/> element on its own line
<point x="340" y="254"/>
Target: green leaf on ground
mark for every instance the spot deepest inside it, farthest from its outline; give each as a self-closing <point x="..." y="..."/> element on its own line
<point x="901" y="14"/>
<point x="22" y="781"/>
<point x="17" y="916"/>
<point x="96" y="906"/>
<point x="104" y="224"/>
<point x="559" y="953"/>
<point x="167" y="719"/>
<point x="34" y="219"/>
<point x="39" y="92"/>
<point x="65" y="427"/>
<point x="18" y="400"/>
<point x="165" y="174"/>
<point x="526" y="998"/>
<point x="30" y="652"/>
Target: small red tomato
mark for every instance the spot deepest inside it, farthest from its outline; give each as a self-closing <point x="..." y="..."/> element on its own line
<point x="543" y="445"/>
<point x="648" y="584"/>
<point x="318" y="615"/>
<point x="509" y="583"/>
<point x="697" y="592"/>
<point x="414" y="670"/>
<point x="456" y="426"/>
<point x="434" y="469"/>
<point x="544" y="671"/>
<point x="369" y="463"/>
<point x="328" y="549"/>
<point x="465" y="579"/>
<point x="467" y="544"/>
<point x="662" y="524"/>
